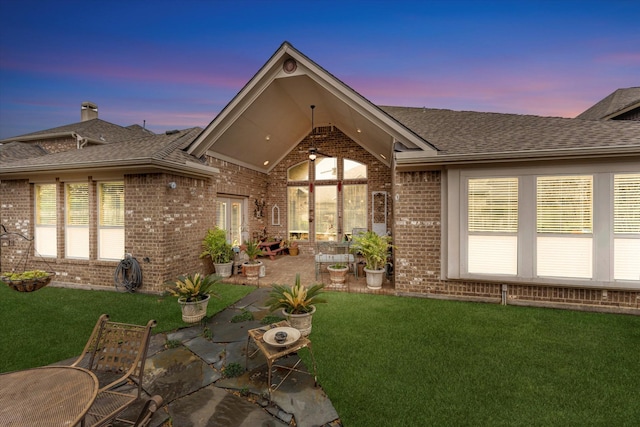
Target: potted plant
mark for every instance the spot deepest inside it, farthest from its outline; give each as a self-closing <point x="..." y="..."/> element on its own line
<point x="215" y="245"/>
<point x="193" y="292"/>
<point x="252" y="267"/>
<point x="297" y="303"/>
<point x="374" y="249"/>
<point x="293" y="248"/>
<point x="338" y="274"/>
<point x="27" y="281"/>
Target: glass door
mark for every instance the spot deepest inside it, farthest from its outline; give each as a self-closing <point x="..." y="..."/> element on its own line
<point x="229" y="215"/>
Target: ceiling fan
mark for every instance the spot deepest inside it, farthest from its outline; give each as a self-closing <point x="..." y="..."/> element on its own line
<point x="313" y="151"/>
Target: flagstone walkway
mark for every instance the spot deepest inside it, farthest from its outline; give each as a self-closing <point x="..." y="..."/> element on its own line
<point x="185" y="367"/>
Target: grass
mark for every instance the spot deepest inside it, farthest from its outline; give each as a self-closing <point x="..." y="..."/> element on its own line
<point x="396" y="361"/>
<point x="53" y="324"/>
<point x="422" y="362"/>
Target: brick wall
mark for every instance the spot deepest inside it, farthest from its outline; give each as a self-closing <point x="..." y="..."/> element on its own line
<point x="418" y="265"/>
<point x="163" y="230"/>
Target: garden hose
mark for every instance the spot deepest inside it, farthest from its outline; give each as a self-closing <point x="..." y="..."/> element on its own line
<point x="128" y="275"/>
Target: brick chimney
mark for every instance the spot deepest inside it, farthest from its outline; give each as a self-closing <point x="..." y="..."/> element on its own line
<point x="88" y="111"/>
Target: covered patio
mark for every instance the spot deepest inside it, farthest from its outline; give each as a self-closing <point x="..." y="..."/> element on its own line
<point x="283" y="269"/>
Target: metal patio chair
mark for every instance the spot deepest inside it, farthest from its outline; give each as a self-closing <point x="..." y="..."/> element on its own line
<point x="116" y="353"/>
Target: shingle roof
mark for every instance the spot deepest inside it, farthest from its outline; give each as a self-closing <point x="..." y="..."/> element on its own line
<point x="466" y="132"/>
<point x="616" y="102"/>
<point x="162" y="149"/>
<point x="19" y="150"/>
<point x="95" y="129"/>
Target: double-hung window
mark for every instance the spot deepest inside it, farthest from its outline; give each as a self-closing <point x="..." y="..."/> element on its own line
<point x="493" y="226"/>
<point x="46" y="242"/>
<point x="111" y="220"/>
<point x="546" y="225"/>
<point x="77" y="220"/>
<point x="626" y="226"/>
<point x="564" y="211"/>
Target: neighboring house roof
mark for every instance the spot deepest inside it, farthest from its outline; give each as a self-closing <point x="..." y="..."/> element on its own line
<point x="142" y="154"/>
<point x="94" y="130"/>
<point x="619" y="102"/>
<point x="19" y="150"/>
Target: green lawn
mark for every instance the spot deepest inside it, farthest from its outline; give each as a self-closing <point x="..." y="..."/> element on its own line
<point x="53" y="324"/>
<point x="396" y="361"/>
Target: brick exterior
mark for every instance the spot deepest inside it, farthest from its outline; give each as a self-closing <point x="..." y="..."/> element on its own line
<point x="418" y="264"/>
<point x="163" y="230"/>
<point x="164" y="227"/>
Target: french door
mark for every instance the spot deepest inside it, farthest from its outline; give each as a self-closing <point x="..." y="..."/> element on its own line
<point x="229" y="217"/>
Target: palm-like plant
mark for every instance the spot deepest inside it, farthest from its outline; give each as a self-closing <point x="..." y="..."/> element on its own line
<point x="253" y="250"/>
<point x="373" y="247"/>
<point x="296" y="299"/>
<point x="193" y="287"/>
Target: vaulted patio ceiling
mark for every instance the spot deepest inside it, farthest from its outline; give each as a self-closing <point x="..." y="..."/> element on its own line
<point x="272" y="114"/>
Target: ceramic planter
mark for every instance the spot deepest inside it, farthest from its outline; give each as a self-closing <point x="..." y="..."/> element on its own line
<point x="374" y="278"/>
<point x="301" y="322"/>
<point x="224" y="270"/>
<point x="193" y="312"/>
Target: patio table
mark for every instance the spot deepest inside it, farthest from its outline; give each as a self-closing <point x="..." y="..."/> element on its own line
<point x="48" y="396"/>
<point x="272" y="353"/>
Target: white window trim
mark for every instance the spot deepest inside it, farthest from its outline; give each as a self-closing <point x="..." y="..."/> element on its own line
<point x="454" y="249"/>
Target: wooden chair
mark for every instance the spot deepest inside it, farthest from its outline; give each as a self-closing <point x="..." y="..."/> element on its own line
<point x="116" y="353"/>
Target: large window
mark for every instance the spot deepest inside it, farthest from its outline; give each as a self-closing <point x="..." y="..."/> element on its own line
<point x="626" y="226"/>
<point x="354" y="207"/>
<point x="339" y="203"/>
<point x="326" y="221"/>
<point x="545" y="225"/>
<point x="77" y="220"/>
<point x="564" y="212"/>
<point x="493" y="226"/>
<point x="46" y="242"/>
<point x="298" y="212"/>
<point x="111" y="220"/>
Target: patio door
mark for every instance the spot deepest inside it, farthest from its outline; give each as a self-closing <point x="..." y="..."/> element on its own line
<point x="229" y="217"/>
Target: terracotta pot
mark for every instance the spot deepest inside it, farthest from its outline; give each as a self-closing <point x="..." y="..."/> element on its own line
<point x="294" y="251"/>
<point x="338" y="275"/>
<point x="252" y="270"/>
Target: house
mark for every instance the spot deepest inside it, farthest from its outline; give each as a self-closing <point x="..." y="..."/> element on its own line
<point x="483" y="206"/>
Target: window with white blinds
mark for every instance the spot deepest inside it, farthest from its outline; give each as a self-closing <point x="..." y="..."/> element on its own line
<point x="46" y="242"/>
<point x="626" y="226"/>
<point x="111" y="220"/>
<point x="564" y="212"/>
<point x="77" y="220"/>
<point x="492" y="220"/>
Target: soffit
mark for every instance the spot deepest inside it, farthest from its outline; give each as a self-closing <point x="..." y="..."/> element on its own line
<point x="272" y="114"/>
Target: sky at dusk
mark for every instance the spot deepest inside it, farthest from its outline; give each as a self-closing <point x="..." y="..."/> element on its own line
<point x="176" y="64"/>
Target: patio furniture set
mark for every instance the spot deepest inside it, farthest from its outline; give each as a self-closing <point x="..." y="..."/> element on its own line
<point x="90" y="392"/>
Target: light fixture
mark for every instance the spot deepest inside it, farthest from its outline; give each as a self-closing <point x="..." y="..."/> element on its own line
<point x="266" y="162"/>
<point x="312" y="150"/>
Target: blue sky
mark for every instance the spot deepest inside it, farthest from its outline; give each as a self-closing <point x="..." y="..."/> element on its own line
<point x="176" y="64"/>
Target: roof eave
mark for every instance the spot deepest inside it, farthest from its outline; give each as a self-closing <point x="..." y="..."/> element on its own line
<point x="413" y="160"/>
<point x="189" y="168"/>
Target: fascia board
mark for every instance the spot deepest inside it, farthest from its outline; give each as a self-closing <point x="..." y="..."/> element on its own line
<point x="411" y="159"/>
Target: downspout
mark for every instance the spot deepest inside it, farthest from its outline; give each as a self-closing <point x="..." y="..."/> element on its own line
<point x="80" y="141"/>
<point x="505" y="292"/>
